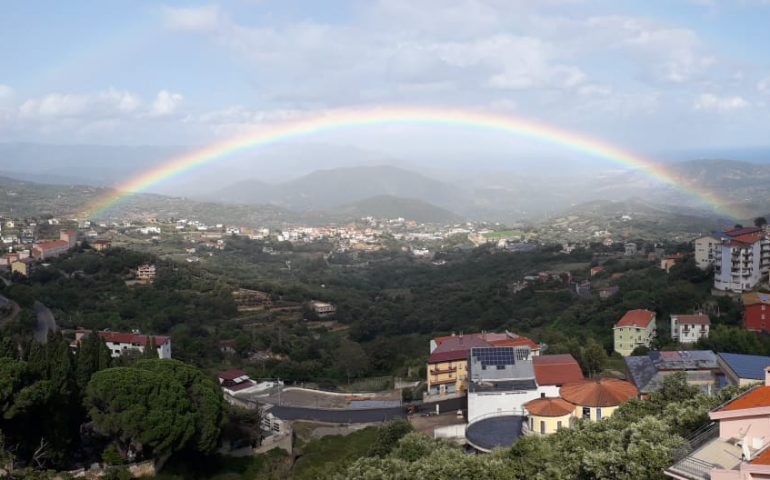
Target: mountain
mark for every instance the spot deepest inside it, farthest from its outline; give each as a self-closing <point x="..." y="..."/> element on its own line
<point x="326" y="189"/>
<point x="388" y="206"/>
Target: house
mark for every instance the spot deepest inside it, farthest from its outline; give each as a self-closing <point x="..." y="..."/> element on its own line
<point x="647" y="372"/>
<point x="597" y="398"/>
<point x="635" y="329"/>
<point x="102" y="245"/>
<point x="736" y="446"/>
<point x="596" y="270"/>
<point x="548" y="415"/>
<point x="705" y="251"/>
<point x="668" y="262"/>
<point x="607" y="292"/>
<point x="22" y="266"/>
<point x="323" y="309"/>
<point x="235" y="382"/>
<point x="629" y="249"/>
<point x="447" y="369"/>
<point x="738" y="261"/>
<point x="146" y="273"/>
<point x="756" y="311"/>
<point x="46" y="250"/>
<point x="689" y="328"/>
<point x="227" y="346"/>
<point x="119" y="343"/>
<point x="69" y="236"/>
<point x="741" y="370"/>
<point x="501" y="380"/>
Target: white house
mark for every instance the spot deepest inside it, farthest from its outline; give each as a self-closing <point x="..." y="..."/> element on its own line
<point x="689" y="328"/>
<point x="119" y="343"/>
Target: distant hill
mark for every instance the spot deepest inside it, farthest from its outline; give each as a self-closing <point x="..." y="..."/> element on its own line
<point x="388" y="206"/>
<point x="324" y="189"/>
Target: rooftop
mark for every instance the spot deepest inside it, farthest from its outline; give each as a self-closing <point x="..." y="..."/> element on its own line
<point x="754" y="298"/>
<point x="598" y="392"/>
<point x="549" y="407"/>
<point x="500" y="364"/>
<point x="494" y="432"/>
<point x="556" y="369"/>
<point x="636" y="318"/>
<point x="132" y="338"/>
<point x="692" y="319"/>
<point x="755" y="398"/>
<point x="746" y="366"/>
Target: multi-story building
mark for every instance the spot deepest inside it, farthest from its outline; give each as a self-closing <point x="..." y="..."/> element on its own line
<point x="119" y="343"/>
<point x="689" y="328"/>
<point x="756" y="311"/>
<point x="146" y="273"/>
<point x="740" y="259"/>
<point x="46" y="250"/>
<point x="701" y="367"/>
<point x="323" y="309"/>
<point x="636" y="329"/>
<point x="705" y="251"/>
<point x="447" y="369"/>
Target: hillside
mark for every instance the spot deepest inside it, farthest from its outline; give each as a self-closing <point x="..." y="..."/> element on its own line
<point x="388" y="206"/>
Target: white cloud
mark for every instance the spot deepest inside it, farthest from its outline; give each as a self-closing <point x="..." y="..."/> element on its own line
<point x="763" y="86"/>
<point x="708" y="101"/>
<point x="6" y="95"/>
<point x="98" y="104"/>
<point x="165" y="103"/>
<point x="200" y="19"/>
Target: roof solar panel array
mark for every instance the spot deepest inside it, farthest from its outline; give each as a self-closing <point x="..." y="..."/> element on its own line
<point x="498" y="357"/>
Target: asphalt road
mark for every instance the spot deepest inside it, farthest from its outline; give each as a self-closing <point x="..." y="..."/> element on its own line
<point x="361" y="415"/>
<point x="45" y="322"/>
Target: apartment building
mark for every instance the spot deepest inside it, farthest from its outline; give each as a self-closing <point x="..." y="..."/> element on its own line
<point x="756" y="311"/>
<point x="636" y="329"/>
<point x="740" y="259"/>
<point x="120" y="343"/>
<point x="689" y="328"/>
<point x="705" y="251"/>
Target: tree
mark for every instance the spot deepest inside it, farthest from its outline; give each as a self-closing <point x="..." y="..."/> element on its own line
<point x="351" y="359"/>
<point x="594" y="357"/>
<point x="146" y="411"/>
<point x="760" y="222"/>
<point x="388" y="436"/>
<point x="206" y="398"/>
<point x="92" y="356"/>
<point x="149" y="348"/>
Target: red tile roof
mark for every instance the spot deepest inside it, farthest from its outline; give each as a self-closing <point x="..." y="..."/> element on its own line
<point x="52" y="244"/>
<point x="636" y="318"/>
<point x="598" y="392"/>
<point x="516" y="342"/>
<point x="556" y="369"/>
<point x="763" y="458"/>
<point x="736" y="232"/>
<point x="693" y="319"/>
<point x="758" y="397"/>
<point x="549" y="407"/>
<point x="232" y="374"/>
<point x="456" y="348"/>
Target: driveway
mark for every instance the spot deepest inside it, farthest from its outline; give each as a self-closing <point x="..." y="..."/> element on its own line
<point x="45" y="322"/>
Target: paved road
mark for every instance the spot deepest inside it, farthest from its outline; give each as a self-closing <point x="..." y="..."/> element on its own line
<point x="360" y="415"/>
<point x="45" y="322"/>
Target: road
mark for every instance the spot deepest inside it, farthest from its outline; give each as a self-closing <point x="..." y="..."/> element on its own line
<point x="45" y="322"/>
<point x="15" y="310"/>
<point x="359" y="415"/>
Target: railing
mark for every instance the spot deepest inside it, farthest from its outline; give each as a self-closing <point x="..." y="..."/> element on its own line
<point x="693" y="468"/>
<point x="437" y="371"/>
<point x="699" y="437"/>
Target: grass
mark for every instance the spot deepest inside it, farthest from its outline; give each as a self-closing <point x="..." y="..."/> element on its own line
<point x="332" y="453"/>
<point x="274" y="464"/>
<point x="501" y="234"/>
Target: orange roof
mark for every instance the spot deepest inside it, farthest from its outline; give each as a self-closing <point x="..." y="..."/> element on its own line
<point x="693" y="319"/>
<point x="598" y="392"/>
<point x="53" y="244"/>
<point x="762" y="459"/>
<point x="758" y="397"/>
<point x="549" y="407"/>
<point x="636" y="318"/>
<point x="556" y="369"/>
<point x="516" y="342"/>
<point x="496" y="339"/>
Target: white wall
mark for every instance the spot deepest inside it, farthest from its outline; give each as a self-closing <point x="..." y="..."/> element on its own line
<point x="485" y="403"/>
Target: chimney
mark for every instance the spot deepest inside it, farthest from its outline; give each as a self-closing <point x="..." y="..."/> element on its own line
<point x="767" y="376"/>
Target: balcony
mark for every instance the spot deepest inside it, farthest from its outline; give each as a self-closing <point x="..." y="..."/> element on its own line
<point x="441" y="382"/>
<point x="439" y="371"/>
<point x="703" y="453"/>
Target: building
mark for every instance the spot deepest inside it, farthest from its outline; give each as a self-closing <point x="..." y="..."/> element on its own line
<point x="689" y="328"/>
<point x="741" y="370"/>
<point x="736" y="446"/>
<point x="668" y="262"/>
<point x="629" y="249"/>
<point x="146" y="273"/>
<point x="597" y="398"/>
<point x="647" y="372"/>
<point x="46" y="250"/>
<point x="607" y="292"/>
<point x="548" y="415"/>
<point x="635" y="329"/>
<point x="756" y="311"/>
<point x="448" y="362"/>
<point x="235" y="382"/>
<point x="119" y="343"/>
<point x="22" y="266"/>
<point x="102" y="245"/>
<point x="323" y="309"/>
<point x="556" y="370"/>
<point x="705" y="251"/>
<point x="738" y="259"/>
<point x="500" y="380"/>
<point x="69" y="236"/>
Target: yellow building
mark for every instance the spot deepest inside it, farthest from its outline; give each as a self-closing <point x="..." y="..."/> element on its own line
<point x="597" y="398"/>
<point x="635" y="329"/>
<point x="22" y="267"/>
<point x="548" y="415"/>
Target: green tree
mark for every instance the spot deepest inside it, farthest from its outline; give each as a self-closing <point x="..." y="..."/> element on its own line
<point x="594" y="357"/>
<point x="350" y="359"/>
<point x="760" y="222"/>
<point x="146" y="411"/>
<point x="388" y="436"/>
<point x="92" y="356"/>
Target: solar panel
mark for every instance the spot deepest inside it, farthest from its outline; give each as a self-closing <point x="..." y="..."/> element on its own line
<point x="499" y="357"/>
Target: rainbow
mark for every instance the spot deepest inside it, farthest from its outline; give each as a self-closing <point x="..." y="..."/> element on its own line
<point x="357" y="118"/>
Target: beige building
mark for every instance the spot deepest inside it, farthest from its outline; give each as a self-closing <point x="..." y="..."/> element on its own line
<point x="635" y="329"/>
<point x="549" y="415"/>
<point x="705" y="251"/>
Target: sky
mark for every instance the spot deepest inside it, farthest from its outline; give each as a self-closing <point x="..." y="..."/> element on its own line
<point x="650" y="75"/>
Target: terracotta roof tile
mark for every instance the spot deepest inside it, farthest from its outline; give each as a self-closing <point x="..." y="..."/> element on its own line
<point x="636" y="318"/>
<point x="598" y="392"/>
<point x="693" y="319"/>
<point x="549" y="407"/>
<point x="758" y="397"/>
<point x="556" y="369"/>
<point x="763" y="458"/>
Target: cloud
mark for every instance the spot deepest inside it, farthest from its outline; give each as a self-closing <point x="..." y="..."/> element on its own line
<point x="196" y="19"/>
<point x="165" y="103"/>
<point x="99" y="104"/>
<point x="763" y="86"/>
<point x="708" y="101"/>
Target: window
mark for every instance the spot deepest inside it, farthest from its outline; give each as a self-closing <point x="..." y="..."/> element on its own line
<point x="598" y="413"/>
<point x="558" y="425"/>
<point x="542" y="427"/>
<point x="587" y="413"/>
<point x="531" y="423"/>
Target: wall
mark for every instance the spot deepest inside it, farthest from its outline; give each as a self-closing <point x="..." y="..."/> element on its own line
<point x="551" y="423"/>
<point x="738" y="427"/>
<point x="606" y="412"/>
<point x="459" y="376"/>
<point x="486" y="403"/>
